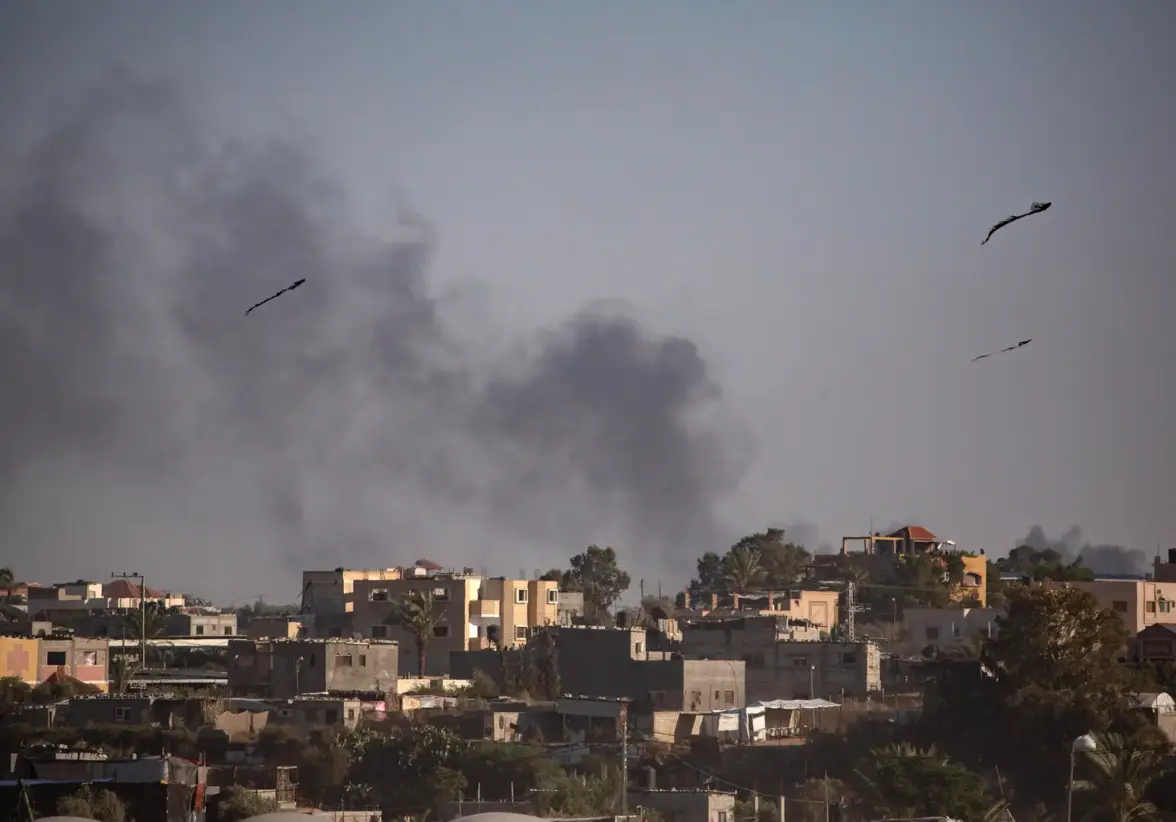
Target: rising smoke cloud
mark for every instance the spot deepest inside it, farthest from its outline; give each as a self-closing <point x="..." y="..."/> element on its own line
<point x="1102" y="559"/>
<point x="149" y="424"/>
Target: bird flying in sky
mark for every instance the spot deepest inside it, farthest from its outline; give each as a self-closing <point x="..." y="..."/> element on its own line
<point x="1003" y="350"/>
<point x="275" y="296"/>
<point x="1036" y="208"/>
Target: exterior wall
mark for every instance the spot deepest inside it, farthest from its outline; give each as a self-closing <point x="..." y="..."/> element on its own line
<point x="1139" y="603"/>
<point x="282" y="669"/>
<point x="201" y="625"/>
<point x="945" y="627"/>
<point x="332" y="592"/>
<point x="822" y="608"/>
<point x="975" y="582"/>
<point x="779" y="668"/>
<point x="524" y="605"/>
<point x="19" y="658"/>
<point x="273" y="628"/>
<point x="85" y="659"/>
<point x="687" y="805"/>
<point x="305" y="714"/>
<point x="374" y="605"/>
<point x="570" y="607"/>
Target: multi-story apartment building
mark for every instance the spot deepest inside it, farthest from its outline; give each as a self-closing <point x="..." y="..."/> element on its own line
<point x="1138" y="602"/>
<point x="475" y="612"/>
<point x="87" y="660"/>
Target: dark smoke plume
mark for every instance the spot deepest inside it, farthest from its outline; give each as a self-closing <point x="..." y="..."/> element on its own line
<point x="1102" y="559"/>
<point x="148" y="425"/>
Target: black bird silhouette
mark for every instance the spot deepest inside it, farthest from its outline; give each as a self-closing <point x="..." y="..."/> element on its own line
<point x="1036" y="208"/>
<point x="275" y="296"/>
<point x="1003" y="350"/>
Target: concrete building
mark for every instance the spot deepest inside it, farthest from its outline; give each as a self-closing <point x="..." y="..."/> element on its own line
<point x="686" y="805"/>
<point x="819" y="609"/>
<point x="197" y="624"/>
<point x="616" y="663"/>
<point x="781" y="666"/>
<point x="307" y="712"/>
<point x="285" y="668"/>
<point x="332" y="593"/>
<point x="87" y="660"/>
<point x="479" y="613"/>
<point x="1138" y="602"/>
<point x="944" y="628"/>
<point x="569" y="607"/>
<point x="275" y="627"/>
<point x="915" y="539"/>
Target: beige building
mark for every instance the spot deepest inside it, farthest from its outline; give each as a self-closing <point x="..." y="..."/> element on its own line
<point x="818" y="608"/>
<point x="1138" y="602"/>
<point x="332" y="593"/>
<point x="944" y="628"/>
<point x="479" y="613"/>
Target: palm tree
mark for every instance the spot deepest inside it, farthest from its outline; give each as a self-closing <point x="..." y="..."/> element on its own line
<point x="1119" y="769"/>
<point x="418" y="614"/>
<point x="743" y="569"/>
<point x="122" y="670"/>
<point x="146" y="623"/>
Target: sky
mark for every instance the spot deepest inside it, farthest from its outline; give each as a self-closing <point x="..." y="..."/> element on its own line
<point x="652" y="275"/>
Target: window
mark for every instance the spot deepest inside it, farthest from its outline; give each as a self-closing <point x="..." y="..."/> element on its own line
<point x="800" y="662"/>
<point x="440" y="631"/>
<point x="56" y="658"/>
<point x="552" y="596"/>
<point x="379" y="595"/>
<point x="657" y="698"/>
<point x="849" y="658"/>
<point x="520" y="595"/>
<point x="1149" y="607"/>
<point x="932" y="632"/>
<point x="228" y="630"/>
<point x="343" y="661"/>
<point x="638" y="647"/>
<point x="351" y="714"/>
<point x="520" y="632"/>
<point x="720" y="816"/>
<point x="331" y="717"/>
<point x="955" y="630"/>
<point x="695" y="699"/>
<point x="379" y="631"/>
<point x="755" y="660"/>
<point x="199" y="630"/>
<point x="122" y="714"/>
<point x="718" y="696"/>
<point x="89" y="658"/>
<point x="1120" y="605"/>
<point x="441" y="594"/>
<point x="311" y="660"/>
<point x="728" y="699"/>
<point x="363" y="660"/>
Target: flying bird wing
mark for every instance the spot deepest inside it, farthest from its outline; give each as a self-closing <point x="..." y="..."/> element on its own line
<point x="1003" y="350"/>
<point x="1036" y="208"/>
<point x="274" y="296"/>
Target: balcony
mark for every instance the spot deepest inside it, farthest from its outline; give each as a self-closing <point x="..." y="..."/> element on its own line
<point x="484" y="612"/>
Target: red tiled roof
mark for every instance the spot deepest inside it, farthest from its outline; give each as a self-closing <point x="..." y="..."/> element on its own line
<point x="915" y="533"/>
<point x="125" y="589"/>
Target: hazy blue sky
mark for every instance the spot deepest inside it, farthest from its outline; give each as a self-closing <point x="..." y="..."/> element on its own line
<point x="798" y="188"/>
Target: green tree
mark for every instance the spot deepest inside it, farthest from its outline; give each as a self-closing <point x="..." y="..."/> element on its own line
<point x="600" y="578"/>
<point x="783" y="562"/>
<point x="15" y="693"/>
<point x="710" y="579"/>
<point x="101" y="805"/>
<point x="426" y="762"/>
<point x="419" y="613"/>
<point x="1116" y="776"/>
<point x="1044" y="564"/>
<point x="806" y="802"/>
<point x="7" y="580"/>
<point x="237" y="804"/>
<point x="743" y="569"/>
<point x="1051" y="672"/>
<point x="903" y="782"/>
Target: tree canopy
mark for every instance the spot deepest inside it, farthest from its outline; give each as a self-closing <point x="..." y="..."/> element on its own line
<point x="597" y="574"/>
<point x="758" y="561"/>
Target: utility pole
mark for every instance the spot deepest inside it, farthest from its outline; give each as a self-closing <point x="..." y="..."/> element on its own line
<point x="142" y="614"/>
<point x="850" y="609"/>
<point x="625" y="762"/>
